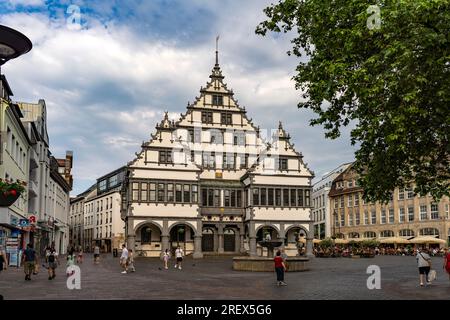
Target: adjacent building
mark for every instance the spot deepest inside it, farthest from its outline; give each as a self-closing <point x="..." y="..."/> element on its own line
<point x="95" y="216"/>
<point x="321" y="211"/>
<point x="213" y="182"/>
<point x="14" y="164"/>
<point x="406" y="215"/>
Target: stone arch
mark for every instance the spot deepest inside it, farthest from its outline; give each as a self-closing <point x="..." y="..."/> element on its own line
<point x="196" y="232"/>
<point x="143" y="223"/>
<point x="307" y="233"/>
<point x="268" y="225"/>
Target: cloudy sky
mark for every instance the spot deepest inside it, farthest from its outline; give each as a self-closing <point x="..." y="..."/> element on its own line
<point x="108" y="80"/>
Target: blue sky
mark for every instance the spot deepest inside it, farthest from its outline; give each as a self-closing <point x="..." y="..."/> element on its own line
<point x="107" y="83"/>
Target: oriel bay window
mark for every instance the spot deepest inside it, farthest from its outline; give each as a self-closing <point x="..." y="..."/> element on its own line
<point x="186" y="193"/>
<point x="194" y="193"/>
<point x="143" y="192"/>
<point x="135" y="191"/>
<point x="152" y="191"/>
<point x="270" y="195"/>
<point x="263" y="196"/>
<point x="255" y="196"/>
<point x="161" y="193"/>
<point x="278" y="197"/>
<point x="300" y="198"/>
<point x="178" y="193"/>
<point x="170" y="194"/>
<point x="285" y="197"/>
<point x="293" y="197"/>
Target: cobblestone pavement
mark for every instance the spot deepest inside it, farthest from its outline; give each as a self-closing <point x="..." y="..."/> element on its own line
<point x="213" y="278"/>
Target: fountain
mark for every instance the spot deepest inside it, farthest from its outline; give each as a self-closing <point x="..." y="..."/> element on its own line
<point x="270" y="245"/>
<point x="250" y="263"/>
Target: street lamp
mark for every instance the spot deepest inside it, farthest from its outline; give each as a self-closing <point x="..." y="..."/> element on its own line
<point x="12" y="44"/>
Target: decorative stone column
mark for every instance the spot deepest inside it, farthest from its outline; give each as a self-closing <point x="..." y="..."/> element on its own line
<point x="253" y="247"/>
<point x="164" y="244"/>
<point x="237" y="240"/>
<point x="197" y="247"/>
<point x="131" y="237"/>
<point x="242" y="248"/>
<point x="309" y="241"/>
<point x="220" y="235"/>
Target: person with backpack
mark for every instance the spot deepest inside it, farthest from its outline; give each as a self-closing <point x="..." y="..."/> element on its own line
<point x="29" y="260"/>
<point x="424" y="264"/>
<point x="52" y="261"/>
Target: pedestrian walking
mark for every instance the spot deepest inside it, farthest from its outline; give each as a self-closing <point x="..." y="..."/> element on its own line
<point x="52" y="261"/>
<point x="3" y="262"/>
<point x="80" y="256"/>
<point x="179" y="255"/>
<point x="96" y="254"/>
<point x="424" y="264"/>
<point x="29" y="260"/>
<point x="280" y="268"/>
<point x="124" y="258"/>
<point x="447" y="262"/>
<point x="166" y="258"/>
<point x="131" y="261"/>
<point x="70" y="262"/>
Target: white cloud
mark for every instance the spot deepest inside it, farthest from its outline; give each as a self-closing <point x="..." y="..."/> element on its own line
<point x="106" y="88"/>
<point x="29" y="3"/>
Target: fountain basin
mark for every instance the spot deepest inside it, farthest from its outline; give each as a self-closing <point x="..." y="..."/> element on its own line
<point x="265" y="264"/>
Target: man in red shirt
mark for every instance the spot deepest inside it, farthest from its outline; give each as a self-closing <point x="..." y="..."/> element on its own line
<point x="280" y="268"/>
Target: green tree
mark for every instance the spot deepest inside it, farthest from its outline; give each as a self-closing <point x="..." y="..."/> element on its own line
<point x="391" y="81"/>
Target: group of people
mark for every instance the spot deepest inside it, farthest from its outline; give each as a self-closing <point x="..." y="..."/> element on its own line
<point x="30" y="262"/>
<point x="126" y="260"/>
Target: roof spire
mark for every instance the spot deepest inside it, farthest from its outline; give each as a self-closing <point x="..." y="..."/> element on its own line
<point x="217" y="50"/>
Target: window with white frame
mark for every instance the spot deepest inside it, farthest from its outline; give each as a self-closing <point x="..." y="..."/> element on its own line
<point x="410" y="192"/>
<point x="350" y="184"/>
<point x="391" y="215"/>
<point x="366" y="217"/>
<point x="342" y="220"/>
<point x="350" y="200"/>
<point x="383" y="216"/>
<point x="342" y="202"/>
<point x="434" y="211"/>
<point x="406" y="233"/>
<point x="356" y="199"/>
<point x="374" y="217"/>
<point x="357" y="218"/>
<point x="410" y="213"/>
<point x="446" y="211"/>
<point x="401" y="194"/>
<point x="401" y="214"/>
<point x="423" y="212"/>
<point x="350" y="219"/>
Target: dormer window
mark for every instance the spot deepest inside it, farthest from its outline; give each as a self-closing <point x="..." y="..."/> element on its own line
<point x="350" y="184"/>
<point x="217" y="100"/>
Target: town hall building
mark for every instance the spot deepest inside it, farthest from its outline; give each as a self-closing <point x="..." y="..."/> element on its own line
<point x="214" y="183"/>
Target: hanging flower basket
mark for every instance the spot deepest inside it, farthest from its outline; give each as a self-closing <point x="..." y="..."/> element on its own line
<point x="10" y="191"/>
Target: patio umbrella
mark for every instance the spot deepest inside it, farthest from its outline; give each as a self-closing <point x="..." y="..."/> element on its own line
<point x="340" y="241"/>
<point x="427" y="239"/>
<point x="395" y="240"/>
<point x="303" y="240"/>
